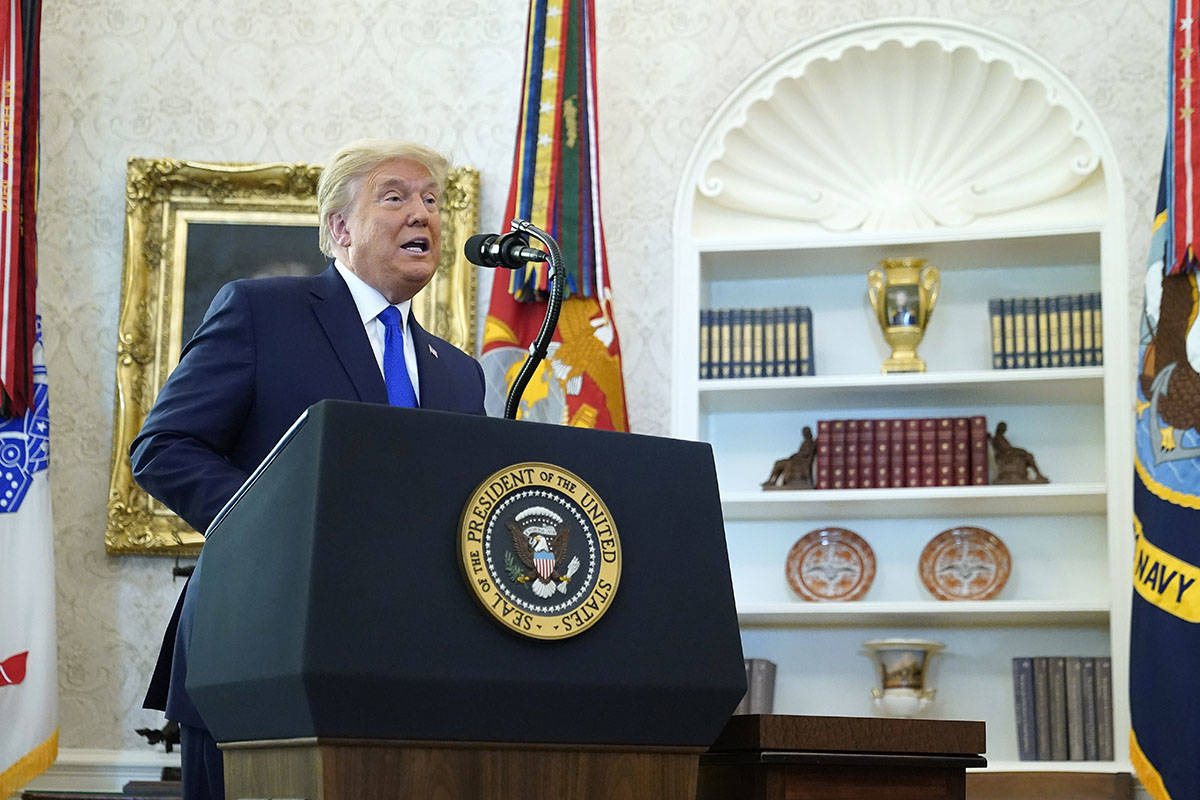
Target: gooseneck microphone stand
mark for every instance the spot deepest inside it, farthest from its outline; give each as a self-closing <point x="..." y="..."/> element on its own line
<point x="541" y="343"/>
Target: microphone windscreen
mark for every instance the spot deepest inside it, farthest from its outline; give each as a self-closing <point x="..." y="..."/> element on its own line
<point x="475" y="247"/>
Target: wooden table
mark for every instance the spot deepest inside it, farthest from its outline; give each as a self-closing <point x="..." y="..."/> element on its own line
<point x="779" y="757"/>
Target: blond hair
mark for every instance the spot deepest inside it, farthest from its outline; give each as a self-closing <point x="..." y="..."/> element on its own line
<point x="342" y="177"/>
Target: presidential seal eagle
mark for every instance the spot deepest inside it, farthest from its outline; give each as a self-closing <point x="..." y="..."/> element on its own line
<point x="540" y="539"/>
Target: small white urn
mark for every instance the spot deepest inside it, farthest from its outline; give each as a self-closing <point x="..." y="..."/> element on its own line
<point x="902" y="666"/>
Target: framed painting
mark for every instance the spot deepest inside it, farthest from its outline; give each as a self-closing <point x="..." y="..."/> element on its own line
<point x="191" y="227"/>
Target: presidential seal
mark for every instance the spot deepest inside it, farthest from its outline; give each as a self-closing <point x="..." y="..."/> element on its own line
<point x="540" y="550"/>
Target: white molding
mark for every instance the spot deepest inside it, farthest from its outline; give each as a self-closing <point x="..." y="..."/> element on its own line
<point x="949" y="124"/>
<point x="91" y="770"/>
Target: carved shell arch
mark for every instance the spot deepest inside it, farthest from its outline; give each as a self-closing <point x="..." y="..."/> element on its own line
<point x="899" y="125"/>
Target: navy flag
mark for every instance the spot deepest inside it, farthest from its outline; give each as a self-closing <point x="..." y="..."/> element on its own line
<point x="1164" y="650"/>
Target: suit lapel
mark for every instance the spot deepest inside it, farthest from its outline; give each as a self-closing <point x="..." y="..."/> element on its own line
<point x="435" y="386"/>
<point x="338" y="316"/>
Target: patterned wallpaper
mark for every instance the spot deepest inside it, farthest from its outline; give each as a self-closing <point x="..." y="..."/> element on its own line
<point x="290" y="80"/>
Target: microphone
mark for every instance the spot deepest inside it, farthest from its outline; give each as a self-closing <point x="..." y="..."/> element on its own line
<point x="508" y="251"/>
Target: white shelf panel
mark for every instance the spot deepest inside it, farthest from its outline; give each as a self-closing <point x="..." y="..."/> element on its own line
<point x="923" y="613"/>
<point x="934" y="501"/>
<point x="1054" y="766"/>
<point x="732" y="258"/>
<point x="977" y="387"/>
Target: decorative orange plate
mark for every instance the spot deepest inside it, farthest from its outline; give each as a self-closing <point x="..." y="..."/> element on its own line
<point x="831" y="564"/>
<point x="965" y="564"/>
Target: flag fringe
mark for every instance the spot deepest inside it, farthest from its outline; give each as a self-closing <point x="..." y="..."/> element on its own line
<point x="29" y="766"/>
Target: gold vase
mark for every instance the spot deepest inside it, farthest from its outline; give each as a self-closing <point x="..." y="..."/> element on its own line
<point x="903" y="296"/>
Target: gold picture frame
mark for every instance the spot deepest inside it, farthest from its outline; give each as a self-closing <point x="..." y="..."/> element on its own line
<point x="168" y="202"/>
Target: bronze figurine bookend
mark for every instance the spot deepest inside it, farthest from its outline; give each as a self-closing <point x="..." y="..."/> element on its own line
<point x="795" y="471"/>
<point x="1013" y="464"/>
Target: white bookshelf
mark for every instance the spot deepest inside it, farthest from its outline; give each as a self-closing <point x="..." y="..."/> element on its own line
<point x="933" y="501"/>
<point x="741" y="240"/>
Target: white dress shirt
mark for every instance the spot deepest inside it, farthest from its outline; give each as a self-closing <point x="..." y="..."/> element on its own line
<point x="370" y="302"/>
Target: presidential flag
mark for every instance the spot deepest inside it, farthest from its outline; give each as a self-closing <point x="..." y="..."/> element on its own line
<point x="20" y="22"/>
<point x="28" y="654"/>
<point x="1164" y="650"/>
<point x="556" y="186"/>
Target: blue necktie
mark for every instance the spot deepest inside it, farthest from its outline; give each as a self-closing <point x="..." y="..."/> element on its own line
<point x="395" y="371"/>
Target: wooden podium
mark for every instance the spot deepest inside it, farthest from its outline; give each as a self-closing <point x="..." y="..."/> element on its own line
<point x="759" y="757"/>
<point x="347" y="769"/>
<point x="771" y="757"/>
<point x="337" y="650"/>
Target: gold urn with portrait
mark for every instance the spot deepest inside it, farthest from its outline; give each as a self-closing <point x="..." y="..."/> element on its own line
<point x="903" y="295"/>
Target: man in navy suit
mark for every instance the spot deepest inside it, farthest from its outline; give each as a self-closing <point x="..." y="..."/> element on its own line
<point x="268" y="348"/>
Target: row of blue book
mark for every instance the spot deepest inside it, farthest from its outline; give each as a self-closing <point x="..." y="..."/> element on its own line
<point x="756" y="342"/>
<point x="1063" y="708"/>
<point x="1062" y="331"/>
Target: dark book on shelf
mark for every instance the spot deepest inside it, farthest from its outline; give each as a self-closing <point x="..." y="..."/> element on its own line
<point x="1032" y="336"/>
<point x="1076" y="304"/>
<point x="866" y="454"/>
<point x="755" y="340"/>
<point x="726" y="360"/>
<point x="1020" y="359"/>
<point x="735" y="342"/>
<point x="1090" y="734"/>
<point x="823" y="478"/>
<point x="945" y="451"/>
<point x="1057" y="670"/>
<point x="1054" y="348"/>
<point x="1065" y="346"/>
<point x="807" y="365"/>
<point x="996" y="323"/>
<point x="896" y="453"/>
<point x="883" y="453"/>
<point x="962" y="451"/>
<point x="837" y="460"/>
<point x="852" y="450"/>
<point x="770" y="359"/>
<point x="1043" y="331"/>
<point x="791" y="326"/>
<point x="928" y="452"/>
<point x="1086" y="350"/>
<point x="781" y="341"/>
<point x="1024" y="706"/>
<point x="1041" y="706"/>
<point x="978" y="443"/>
<point x="1074" y="672"/>
<point x="1104" y="709"/>
<point x="706" y="330"/>
<point x="1097" y="330"/>
<point x="912" y="452"/>
<point x="746" y="359"/>
<point x="1009" y="323"/>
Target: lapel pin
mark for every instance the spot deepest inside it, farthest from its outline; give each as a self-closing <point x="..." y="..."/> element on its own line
<point x="433" y="352"/>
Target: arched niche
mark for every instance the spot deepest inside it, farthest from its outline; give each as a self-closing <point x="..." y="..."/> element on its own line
<point x="899" y="125"/>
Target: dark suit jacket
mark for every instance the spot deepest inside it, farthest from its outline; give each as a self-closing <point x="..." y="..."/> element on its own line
<point x="267" y="349"/>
